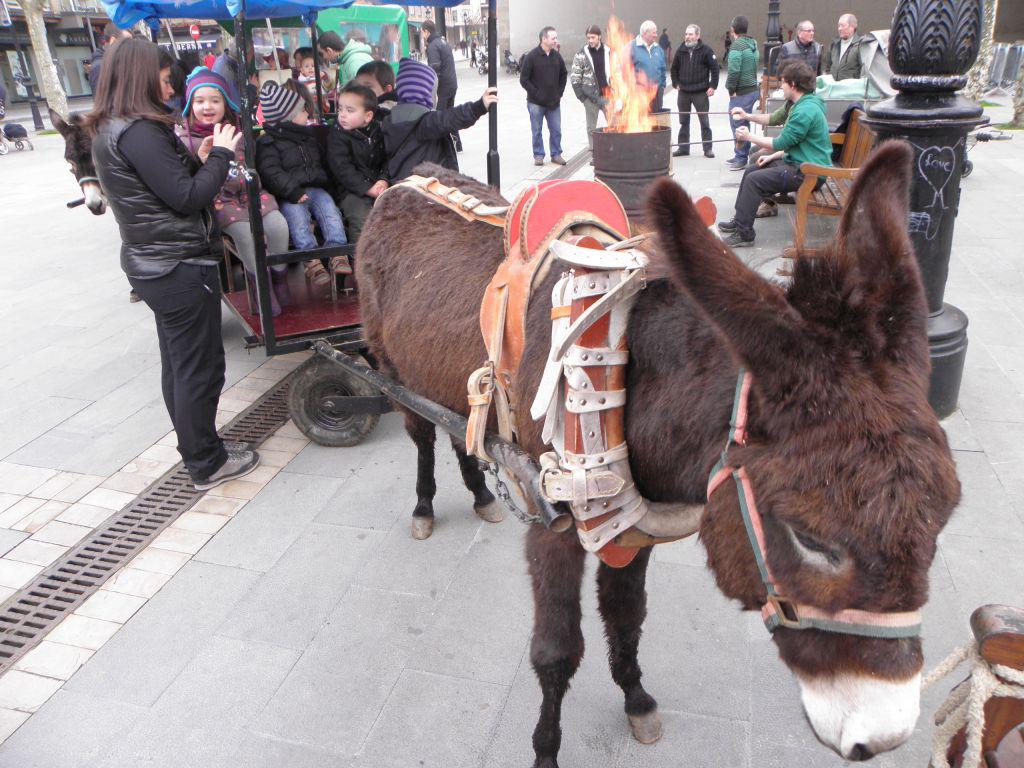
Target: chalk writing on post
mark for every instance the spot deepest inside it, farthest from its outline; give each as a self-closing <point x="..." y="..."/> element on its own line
<point x="936" y="166"/>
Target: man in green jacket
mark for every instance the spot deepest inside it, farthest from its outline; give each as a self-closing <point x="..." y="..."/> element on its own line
<point x="741" y="83"/>
<point x="842" y="57"/>
<point x="804" y="139"/>
<point x="355" y="54"/>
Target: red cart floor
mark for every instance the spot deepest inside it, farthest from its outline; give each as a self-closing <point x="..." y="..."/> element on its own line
<point x="311" y="309"/>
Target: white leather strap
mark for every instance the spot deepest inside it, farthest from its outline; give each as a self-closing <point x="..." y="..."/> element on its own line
<point x="598" y="259"/>
<point x="594" y="356"/>
<point x="583" y="401"/>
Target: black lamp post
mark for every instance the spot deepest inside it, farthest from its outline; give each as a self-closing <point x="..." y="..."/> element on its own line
<point x="26" y="82"/>
<point x="930" y="54"/>
<point x="772" y="36"/>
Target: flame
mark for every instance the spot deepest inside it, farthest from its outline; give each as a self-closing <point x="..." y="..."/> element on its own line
<point x="629" y="102"/>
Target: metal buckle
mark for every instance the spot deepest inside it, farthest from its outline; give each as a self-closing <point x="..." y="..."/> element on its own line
<point x="786" y="612"/>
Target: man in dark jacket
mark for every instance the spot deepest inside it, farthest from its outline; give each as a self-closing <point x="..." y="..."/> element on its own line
<point x="842" y="57"/>
<point x="440" y="59"/>
<point x="544" y="77"/>
<point x="803" y="48"/>
<point x="414" y="132"/>
<point x="694" y="75"/>
<point x="111" y="34"/>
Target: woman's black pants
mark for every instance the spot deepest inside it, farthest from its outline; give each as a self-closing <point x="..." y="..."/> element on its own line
<point x="186" y="303"/>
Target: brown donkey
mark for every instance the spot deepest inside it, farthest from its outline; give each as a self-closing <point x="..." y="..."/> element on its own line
<point x="852" y="473"/>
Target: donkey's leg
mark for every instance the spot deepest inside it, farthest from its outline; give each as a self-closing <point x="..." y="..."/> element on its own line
<point x="484" y="503"/>
<point x="622" y="601"/>
<point x="556" y="569"/>
<point x="422" y="433"/>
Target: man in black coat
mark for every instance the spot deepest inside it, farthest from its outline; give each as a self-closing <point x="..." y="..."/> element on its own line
<point x="803" y="48"/>
<point x="544" y="77"/>
<point x="694" y="74"/>
<point x="441" y="60"/>
<point x="111" y="34"/>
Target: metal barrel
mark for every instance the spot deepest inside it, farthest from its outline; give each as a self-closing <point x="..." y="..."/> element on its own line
<point x="630" y="162"/>
<point x="510" y="456"/>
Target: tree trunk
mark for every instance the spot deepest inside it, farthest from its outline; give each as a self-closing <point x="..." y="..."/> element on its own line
<point x="977" y="78"/>
<point x="49" y="83"/>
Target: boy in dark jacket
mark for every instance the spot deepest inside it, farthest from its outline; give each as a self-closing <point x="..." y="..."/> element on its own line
<point x="414" y="132"/>
<point x="694" y="74"/>
<point x="289" y="164"/>
<point x="379" y="77"/>
<point x="355" y="153"/>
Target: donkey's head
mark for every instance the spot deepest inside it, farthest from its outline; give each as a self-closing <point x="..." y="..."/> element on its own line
<point x="78" y="153"/>
<point x="851" y="472"/>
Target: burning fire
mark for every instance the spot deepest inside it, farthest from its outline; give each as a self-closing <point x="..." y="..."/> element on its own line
<point x="629" y="102"/>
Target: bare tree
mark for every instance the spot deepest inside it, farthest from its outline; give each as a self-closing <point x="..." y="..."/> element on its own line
<point x="1018" y="102"/>
<point x="977" y="78"/>
<point x="49" y="83"/>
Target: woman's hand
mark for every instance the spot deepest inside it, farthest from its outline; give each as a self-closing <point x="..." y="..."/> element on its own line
<point x="203" y="153"/>
<point x="490" y="97"/>
<point x="225" y="135"/>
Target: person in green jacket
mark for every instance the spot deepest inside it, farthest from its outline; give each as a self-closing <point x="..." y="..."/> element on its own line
<point x="804" y="139"/>
<point x="356" y="53"/>
<point x="741" y="83"/>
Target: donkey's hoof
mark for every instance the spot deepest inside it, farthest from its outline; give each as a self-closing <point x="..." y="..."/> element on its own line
<point x="491" y="513"/>
<point x="646" y="728"/>
<point x="422" y="527"/>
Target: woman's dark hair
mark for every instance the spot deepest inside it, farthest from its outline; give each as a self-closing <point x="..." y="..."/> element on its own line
<point x="368" y="96"/>
<point x="799" y="75"/>
<point x="380" y="71"/>
<point x="129" y="85"/>
<point x="305" y="52"/>
<point x="740" y="25"/>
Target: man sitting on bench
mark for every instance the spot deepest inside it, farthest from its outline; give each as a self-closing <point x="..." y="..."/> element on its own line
<point x="804" y="139"/>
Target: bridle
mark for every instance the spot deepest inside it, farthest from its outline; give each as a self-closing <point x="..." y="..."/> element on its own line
<point x="780" y="611"/>
<point x="83" y="180"/>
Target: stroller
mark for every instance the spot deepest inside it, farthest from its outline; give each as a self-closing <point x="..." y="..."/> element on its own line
<point x="13" y="133"/>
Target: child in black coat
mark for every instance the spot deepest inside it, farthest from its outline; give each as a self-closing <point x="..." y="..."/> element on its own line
<point x="355" y="153"/>
<point x="290" y="167"/>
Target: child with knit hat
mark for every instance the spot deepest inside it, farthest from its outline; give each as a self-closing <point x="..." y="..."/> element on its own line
<point x="207" y="104"/>
<point x="289" y="163"/>
<point x="414" y="132"/>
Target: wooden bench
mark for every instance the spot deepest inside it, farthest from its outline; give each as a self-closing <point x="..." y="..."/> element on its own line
<point x="830" y="199"/>
<point x="999" y="631"/>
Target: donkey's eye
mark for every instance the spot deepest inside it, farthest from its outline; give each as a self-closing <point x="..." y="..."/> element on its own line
<point x="816" y="547"/>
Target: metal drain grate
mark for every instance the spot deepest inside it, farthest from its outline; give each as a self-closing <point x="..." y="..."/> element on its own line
<point x="30" y="614"/>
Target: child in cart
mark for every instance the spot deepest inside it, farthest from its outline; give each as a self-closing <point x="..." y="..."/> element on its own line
<point x="289" y="163"/>
<point x="379" y="77"/>
<point x="207" y="105"/>
<point x="355" y="152"/>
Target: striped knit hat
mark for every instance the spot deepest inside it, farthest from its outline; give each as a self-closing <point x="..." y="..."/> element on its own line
<point x="202" y="77"/>
<point x="278" y="104"/>
<point x="415" y="83"/>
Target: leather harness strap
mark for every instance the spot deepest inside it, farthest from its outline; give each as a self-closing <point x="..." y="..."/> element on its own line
<point x="468" y="207"/>
<point x="779" y="611"/>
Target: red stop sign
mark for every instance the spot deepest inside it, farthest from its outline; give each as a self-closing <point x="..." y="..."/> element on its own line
<point x="194" y="31"/>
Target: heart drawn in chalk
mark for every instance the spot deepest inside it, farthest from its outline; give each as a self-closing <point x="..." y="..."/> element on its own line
<point x="936" y="165"/>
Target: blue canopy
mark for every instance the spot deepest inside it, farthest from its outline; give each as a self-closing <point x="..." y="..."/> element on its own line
<point x="125" y="13"/>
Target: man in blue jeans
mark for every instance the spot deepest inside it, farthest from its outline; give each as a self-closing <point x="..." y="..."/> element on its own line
<point x="544" y="77"/>
<point x="741" y="84"/>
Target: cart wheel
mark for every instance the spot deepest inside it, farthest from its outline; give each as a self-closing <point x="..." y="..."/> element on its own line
<point x="4" y="149"/>
<point x="316" y="379"/>
<point x="968" y="168"/>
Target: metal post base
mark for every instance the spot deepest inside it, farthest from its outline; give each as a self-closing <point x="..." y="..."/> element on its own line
<point x="947" y="349"/>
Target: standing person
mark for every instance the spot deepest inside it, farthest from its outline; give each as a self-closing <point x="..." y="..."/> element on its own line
<point x="842" y="57"/>
<point x="440" y="59"/>
<point x="665" y="43"/>
<point x="356" y="53"/>
<point x="111" y="34"/>
<point x="695" y="76"/>
<point x="804" y="139"/>
<point x="741" y="84"/>
<point x="159" y="195"/>
<point x="803" y="48"/>
<point x="589" y="78"/>
<point x="649" y="62"/>
<point x="472" y="54"/>
<point x="544" y="77"/>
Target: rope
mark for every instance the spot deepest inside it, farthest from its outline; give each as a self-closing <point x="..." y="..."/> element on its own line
<point x="965" y="705"/>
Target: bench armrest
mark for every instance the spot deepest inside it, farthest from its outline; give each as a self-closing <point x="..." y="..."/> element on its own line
<point x="811" y="170"/>
<point x="837" y="138"/>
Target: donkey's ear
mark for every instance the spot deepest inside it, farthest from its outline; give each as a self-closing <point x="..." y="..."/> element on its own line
<point x="752" y="313"/>
<point x="58" y="122"/>
<point x="874" y="245"/>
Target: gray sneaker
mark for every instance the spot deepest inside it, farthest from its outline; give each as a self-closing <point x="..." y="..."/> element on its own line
<point x="239" y="464"/>
<point x="234" y="446"/>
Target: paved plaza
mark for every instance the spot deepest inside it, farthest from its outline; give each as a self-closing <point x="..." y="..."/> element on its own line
<point x="290" y="621"/>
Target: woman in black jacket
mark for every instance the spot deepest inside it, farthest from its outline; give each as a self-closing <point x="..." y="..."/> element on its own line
<point x="159" y="195"/>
